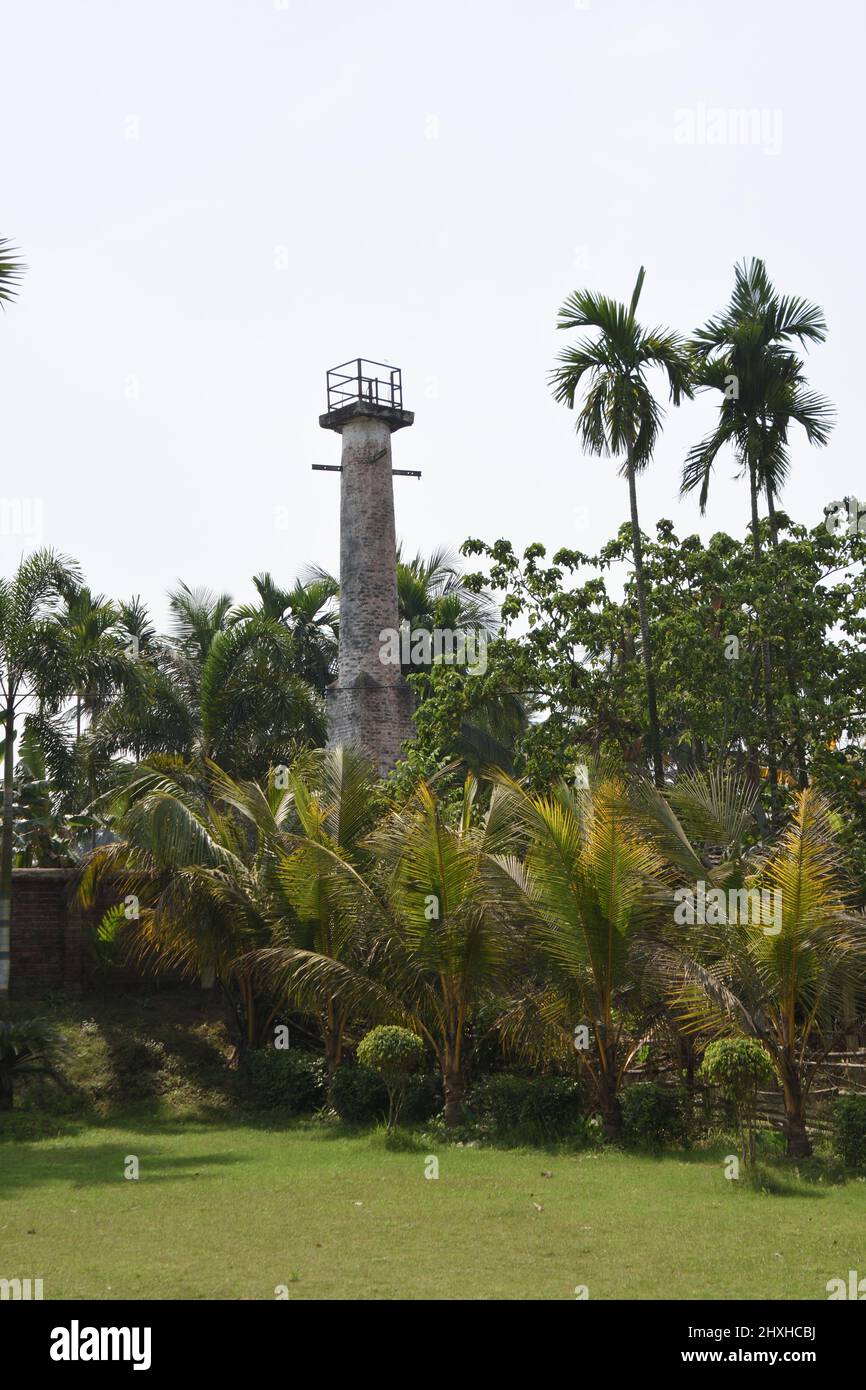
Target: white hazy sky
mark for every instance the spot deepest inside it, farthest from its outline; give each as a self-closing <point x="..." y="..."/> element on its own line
<point x="219" y="199"/>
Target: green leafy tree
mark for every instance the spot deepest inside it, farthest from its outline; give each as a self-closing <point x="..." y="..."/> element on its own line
<point x="567" y="652"/>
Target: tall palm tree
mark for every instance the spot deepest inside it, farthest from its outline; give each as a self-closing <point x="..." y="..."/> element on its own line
<point x="432" y="593"/>
<point x="43" y="833"/>
<point x="224" y="688"/>
<point x="746" y="354"/>
<point x="28" y="669"/>
<point x="198" y="617"/>
<point x="11" y="270"/>
<point x="309" y="611"/>
<point x="102" y="666"/>
<point x="621" y="418"/>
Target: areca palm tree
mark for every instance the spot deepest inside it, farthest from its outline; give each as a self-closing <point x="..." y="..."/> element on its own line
<point x="746" y="353"/>
<point x="198" y="618"/>
<point x="11" y="271"/>
<point x="44" y="833"/>
<point x="28" y="604"/>
<point x="92" y="648"/>
<point x="453" y="940"/>
<point x="621" y="418"/>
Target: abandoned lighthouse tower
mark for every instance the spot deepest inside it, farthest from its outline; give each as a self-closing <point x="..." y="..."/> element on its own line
<point x="370" y="704"/>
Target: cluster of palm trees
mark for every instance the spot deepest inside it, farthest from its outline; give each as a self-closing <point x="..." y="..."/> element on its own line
<point x="314" y="892"/>
<point x="89" y="689"/>
<point x="748" y="356"/>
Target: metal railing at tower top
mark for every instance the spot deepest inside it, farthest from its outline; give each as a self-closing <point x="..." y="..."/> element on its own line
<point x="369" y="383"/>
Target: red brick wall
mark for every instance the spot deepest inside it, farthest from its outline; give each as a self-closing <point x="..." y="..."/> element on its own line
<point x="49" y="939"/>
<point x="46" y="933"/>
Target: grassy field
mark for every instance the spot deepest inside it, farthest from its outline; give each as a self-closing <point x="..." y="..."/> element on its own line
<point x="227" y="1212"/>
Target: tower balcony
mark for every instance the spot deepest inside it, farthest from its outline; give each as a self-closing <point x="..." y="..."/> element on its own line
<point x="362" y="388"/>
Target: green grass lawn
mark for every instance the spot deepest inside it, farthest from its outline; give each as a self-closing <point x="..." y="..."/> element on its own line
<point x="227" y="1212"/>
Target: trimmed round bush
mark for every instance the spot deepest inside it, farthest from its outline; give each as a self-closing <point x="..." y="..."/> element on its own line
<point x="394" y="1054"/>
<point x="739" y="1067"/>
<point x="359" y="1095"/>
<point x="391" y="1049"/>
<point x="293" y="1081"/>
<point x="536" y="1109"/>
<point x="652" y="1115"/>
<point x="849" y="1131"/>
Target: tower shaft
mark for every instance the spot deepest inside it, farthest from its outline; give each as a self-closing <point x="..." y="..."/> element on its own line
<point x="370" y="704"/>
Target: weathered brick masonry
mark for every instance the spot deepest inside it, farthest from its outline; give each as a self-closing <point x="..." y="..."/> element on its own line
<point x="50" y="931"/>
<point x="370" y="703"/>
<point x="47" y="952"/>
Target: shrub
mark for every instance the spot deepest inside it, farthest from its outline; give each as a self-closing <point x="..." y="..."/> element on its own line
<point x="652" y="1115"/>
<point x="849" y="1131"/>
<point x="739" y="1067"/>
<point x="359" y="1095"/>
<point x="25" y="1048"/>
<point x="394" y="1053"/>
<point x="423" y="1098"/>
<point x="537" y="1109"/>
<point x="293" y="1081"/>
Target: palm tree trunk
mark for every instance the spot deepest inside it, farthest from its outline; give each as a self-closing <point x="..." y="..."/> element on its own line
<point x="332" y="1028"/>
<point x="7" y="1088"/>
<point x="6" y="850"/>
<point x="652" y="704"/>
<point x="797" y="1141"/>
<point x="454" y="1088"/>
<point x="790" y="677"/>
<point x="611" y="1111"/>
<point x="766" y="664"/>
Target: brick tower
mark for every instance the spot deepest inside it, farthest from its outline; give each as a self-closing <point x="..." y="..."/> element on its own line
<point x="370" y="703"/>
